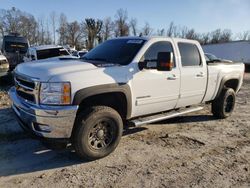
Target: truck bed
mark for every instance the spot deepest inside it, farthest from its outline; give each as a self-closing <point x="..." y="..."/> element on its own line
<point x="219" y="71"/>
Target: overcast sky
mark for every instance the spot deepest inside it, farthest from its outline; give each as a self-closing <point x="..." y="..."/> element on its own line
<point x="202" y="15"/>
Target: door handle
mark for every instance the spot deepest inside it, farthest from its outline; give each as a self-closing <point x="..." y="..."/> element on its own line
<point x="172" y="77"/>
<point x="201" y="74"/>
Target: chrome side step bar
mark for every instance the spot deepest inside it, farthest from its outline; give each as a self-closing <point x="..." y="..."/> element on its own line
<point x="159" y="117"/>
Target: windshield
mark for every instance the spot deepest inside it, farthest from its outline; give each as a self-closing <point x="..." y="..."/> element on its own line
<point x="117" y="51"/>
<point x="13" y="47"/>
<point x="54" y="52"/>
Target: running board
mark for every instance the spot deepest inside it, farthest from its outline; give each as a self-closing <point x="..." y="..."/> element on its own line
<point x="163" y="116"/>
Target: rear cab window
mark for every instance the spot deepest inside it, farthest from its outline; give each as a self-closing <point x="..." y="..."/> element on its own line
<point x="190" y="55"/>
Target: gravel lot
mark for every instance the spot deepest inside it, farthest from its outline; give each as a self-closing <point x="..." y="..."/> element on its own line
<point x="190" y="151"/>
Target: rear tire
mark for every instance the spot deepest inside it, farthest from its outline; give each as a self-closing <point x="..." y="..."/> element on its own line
<point x="223" y="106"/>
<point x="98" y="131"/>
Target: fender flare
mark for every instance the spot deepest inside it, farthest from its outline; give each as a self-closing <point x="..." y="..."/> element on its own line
<point x="224" y="80"/>
<point x="124" y="88"/>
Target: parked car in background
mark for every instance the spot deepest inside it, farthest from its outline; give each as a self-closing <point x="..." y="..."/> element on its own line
<point x="14" y="48"/>
<point x="44" y="52"/>
<point x="4" y="65"/>
<point x="82" y="53"/>
<point x="79" y="53"/>
<point x="212" y="58"/>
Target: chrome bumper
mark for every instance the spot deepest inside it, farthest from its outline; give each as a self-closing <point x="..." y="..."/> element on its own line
<point x="44" y="121"/>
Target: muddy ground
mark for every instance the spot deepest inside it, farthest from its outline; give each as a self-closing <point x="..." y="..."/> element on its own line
<point x="190" y="151"/>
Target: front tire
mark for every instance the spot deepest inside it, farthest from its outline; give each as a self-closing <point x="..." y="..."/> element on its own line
<point x="97" y="133"/>
<point x="223" y="106"/>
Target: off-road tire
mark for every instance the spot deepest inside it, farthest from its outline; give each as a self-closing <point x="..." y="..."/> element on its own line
<point x="223" y="106"/>
<point x="89" y="123"/>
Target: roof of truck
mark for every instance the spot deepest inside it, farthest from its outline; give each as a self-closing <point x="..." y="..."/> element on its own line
<point x="151" y="37"/>
<point x="46" y="47"/>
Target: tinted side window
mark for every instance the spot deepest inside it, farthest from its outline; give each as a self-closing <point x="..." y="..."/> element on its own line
<point x="154" y="49"/>
<point x="190" y="55"/>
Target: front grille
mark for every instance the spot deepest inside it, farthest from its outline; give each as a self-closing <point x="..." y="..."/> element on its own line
<point x="26" y="83"/>
<point x="26" y="88"/>
<point x="26" y="96"/>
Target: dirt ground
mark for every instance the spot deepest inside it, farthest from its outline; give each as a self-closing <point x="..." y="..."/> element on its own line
<point x="190" y="151"/>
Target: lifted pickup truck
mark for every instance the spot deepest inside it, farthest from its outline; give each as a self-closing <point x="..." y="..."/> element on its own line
<point x="122" y="82"/>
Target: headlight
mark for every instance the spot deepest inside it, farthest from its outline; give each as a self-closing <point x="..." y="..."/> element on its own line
<point x="55" y="93"/>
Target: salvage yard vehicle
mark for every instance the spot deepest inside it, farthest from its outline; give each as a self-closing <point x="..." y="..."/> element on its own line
<point x="14" y="48"/>
<point x="127" y="81"/>
<point x="211" y="58"/>
<point x="45" y="52"/>
<point x="4" y="65"/>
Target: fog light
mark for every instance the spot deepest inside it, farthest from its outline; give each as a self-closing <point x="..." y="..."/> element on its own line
<point x="42" y="128"/>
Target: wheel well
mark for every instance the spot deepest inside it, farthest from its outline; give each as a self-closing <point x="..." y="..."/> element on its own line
<point x="233" y="83"/>
<point x="115" y="100"/>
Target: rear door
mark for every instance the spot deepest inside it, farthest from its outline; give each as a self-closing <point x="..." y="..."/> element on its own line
<point x="193" y="73"/>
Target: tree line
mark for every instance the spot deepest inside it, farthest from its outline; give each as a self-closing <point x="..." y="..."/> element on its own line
<point x="56" y="29"/>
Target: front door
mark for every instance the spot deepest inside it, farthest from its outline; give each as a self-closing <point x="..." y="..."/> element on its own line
<point x="155" y="91"/>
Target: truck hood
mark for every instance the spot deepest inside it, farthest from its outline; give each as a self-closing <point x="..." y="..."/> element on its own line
<point x="44" y="70"/>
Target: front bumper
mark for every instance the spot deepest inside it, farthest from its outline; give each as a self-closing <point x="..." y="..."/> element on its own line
<point x="43" y="121"/>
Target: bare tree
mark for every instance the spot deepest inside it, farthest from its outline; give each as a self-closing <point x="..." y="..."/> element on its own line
<point x="205" y="38"/>
<point x="226" y="35"/>
<point x="53" y="18"/>
<point x="244" y="35"/>
<point x="10" y="20"/>
<point x="47" y="39"/>
<point x="108" y="27"/>
<point x="122" y="27"/>
<point x="215" y="36"/>
<point x="40" y="31"/>
<point x="29" y="27"/>
<point x="219" y="36"/>
<point x="133" y="26"/>
<point x="93" y="28"/>
<point x="62" y="30"/>
<point x="161" y="32"/>
<point x="191" y="34"/>
<point x="147" y="30"/>
<point x="171" y="30"/>
<point x="74" y="34"/>
<point x="183" y="32"/>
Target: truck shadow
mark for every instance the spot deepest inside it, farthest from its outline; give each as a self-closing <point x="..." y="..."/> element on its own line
<point x="20" y="154"/>
<point x="188" y="119"/>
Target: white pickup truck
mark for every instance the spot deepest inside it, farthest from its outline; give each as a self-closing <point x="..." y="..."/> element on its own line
<point x="123" y="82"/>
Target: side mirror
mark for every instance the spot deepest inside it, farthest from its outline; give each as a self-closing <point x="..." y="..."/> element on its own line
<point x="165" y="61"/>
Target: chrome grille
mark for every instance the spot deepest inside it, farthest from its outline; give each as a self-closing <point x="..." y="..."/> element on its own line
<point x="27" y="88"/>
